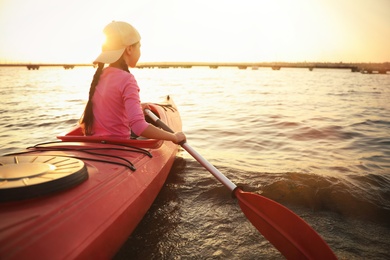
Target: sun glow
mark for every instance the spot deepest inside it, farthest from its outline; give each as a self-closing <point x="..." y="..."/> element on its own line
<point x="173" y="30"/>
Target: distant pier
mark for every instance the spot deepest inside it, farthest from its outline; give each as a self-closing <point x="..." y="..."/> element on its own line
<point x="366" y="68"/>
<point x="36" y="66"/>
<point x="33" y="67"/>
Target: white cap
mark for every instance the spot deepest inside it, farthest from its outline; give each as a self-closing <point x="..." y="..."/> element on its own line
<point x="119" y="35"/>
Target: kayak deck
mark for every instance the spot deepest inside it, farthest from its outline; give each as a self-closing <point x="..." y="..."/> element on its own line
<point x="93" y="217"/>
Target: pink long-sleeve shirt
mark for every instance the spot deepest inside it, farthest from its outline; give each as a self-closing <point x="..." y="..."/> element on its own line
<point x="117" y="106"/>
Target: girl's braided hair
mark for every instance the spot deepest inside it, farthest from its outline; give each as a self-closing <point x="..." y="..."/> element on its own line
<point x="86" y="120"/>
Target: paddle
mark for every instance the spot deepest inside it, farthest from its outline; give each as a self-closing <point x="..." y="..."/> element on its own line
<point x="290" y="234"/>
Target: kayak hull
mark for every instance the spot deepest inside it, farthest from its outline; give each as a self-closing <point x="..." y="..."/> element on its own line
<point x="90" y="220"/>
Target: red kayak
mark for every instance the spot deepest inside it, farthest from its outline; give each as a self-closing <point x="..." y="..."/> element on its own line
<point x="81" y="197"/>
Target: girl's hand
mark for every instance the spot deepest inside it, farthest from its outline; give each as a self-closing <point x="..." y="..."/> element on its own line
<point x="180" y="137"/>
<point x="145" y="106"/>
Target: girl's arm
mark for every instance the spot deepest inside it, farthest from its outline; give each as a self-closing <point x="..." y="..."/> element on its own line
<point x="153" y="132"/>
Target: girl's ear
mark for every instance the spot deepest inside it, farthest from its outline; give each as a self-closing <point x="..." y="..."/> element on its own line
<point x="129" y="49"/>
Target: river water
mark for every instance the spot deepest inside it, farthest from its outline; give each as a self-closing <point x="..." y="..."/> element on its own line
<point x="316" y="141"/>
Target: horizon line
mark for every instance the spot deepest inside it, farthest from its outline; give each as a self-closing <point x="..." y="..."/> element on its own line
<point x="194" y="63"/>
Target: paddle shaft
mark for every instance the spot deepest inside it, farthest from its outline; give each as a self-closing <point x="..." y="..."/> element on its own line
<point x="214" y="171"/>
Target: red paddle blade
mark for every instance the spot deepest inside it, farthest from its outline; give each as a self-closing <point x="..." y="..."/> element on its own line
<point x="290" y="234"/>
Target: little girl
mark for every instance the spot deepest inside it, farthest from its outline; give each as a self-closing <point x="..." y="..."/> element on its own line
<point x="114" y="107"/>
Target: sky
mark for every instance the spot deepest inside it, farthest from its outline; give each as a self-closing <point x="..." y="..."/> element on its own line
<point x="70" y="31"/>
